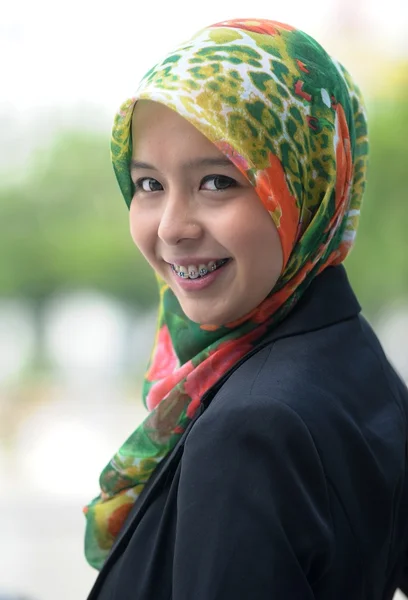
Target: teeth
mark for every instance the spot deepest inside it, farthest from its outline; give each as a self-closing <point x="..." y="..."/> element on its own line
<point x="202" y="269"/>
<point x="193" y="272"/>
<point x="183" y="272"/>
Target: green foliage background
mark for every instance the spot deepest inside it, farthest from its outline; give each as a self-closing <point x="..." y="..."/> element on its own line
<point x="65" y="225"/>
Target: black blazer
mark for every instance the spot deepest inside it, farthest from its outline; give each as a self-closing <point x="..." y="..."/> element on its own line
<point x="291" y="483"/>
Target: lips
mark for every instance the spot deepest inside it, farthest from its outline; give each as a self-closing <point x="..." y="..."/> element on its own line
<point x="196" y="282"/>
<point x="194" y="267"/>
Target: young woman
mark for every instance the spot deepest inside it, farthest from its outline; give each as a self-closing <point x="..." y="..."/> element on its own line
<point x="273" y="461"/>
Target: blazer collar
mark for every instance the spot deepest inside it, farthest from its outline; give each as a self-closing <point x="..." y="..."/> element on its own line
<point x="329" y="299"/>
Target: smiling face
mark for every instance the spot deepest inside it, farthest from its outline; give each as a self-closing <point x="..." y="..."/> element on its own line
<point x="191" y="210"/>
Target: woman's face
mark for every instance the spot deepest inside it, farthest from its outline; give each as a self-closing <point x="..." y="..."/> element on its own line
<point x="191" y="209"/>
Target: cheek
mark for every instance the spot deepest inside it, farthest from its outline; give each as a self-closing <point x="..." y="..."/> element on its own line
<point x="141" y="231"/>
<point x="260" y="248"/>
<point x="134" y="225"/>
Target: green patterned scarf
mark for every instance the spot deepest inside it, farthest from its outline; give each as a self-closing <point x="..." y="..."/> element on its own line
<point x="291" y="119"/>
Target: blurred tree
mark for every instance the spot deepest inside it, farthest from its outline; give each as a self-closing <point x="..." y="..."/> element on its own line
<point x="66" y="227"/>
<point x="378" y="265"/>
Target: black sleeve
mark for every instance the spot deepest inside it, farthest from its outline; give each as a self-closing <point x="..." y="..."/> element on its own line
<point x="253" y="518"/>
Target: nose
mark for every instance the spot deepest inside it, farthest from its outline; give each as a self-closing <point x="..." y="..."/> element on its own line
<point x="178" y="220"/>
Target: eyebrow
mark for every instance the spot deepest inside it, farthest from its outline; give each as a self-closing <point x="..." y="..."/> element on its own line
<point x="191" y="164"/>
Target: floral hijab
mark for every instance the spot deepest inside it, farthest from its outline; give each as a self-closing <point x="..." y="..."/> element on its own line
<point x="291" y="119"/>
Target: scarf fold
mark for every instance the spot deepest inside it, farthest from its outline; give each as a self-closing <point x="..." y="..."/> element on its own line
<point x="292" y="120"/>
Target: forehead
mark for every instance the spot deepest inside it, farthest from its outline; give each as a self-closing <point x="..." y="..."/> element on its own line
<point x="147" y="112"/>
<point x="159" y="131"/>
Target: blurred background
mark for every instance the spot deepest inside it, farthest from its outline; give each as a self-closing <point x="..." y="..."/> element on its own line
<point x="77" y="302"/>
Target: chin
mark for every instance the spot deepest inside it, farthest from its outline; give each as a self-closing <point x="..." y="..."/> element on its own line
<point x="205" y="317"/>
<point x="199" y="318"/>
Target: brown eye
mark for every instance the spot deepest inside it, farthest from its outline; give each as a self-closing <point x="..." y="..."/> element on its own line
<point x="217" y="183"/>
<point x="148" y="184"/>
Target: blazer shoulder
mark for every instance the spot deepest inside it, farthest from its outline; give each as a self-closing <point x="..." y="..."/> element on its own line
<point x="325" y="376"/>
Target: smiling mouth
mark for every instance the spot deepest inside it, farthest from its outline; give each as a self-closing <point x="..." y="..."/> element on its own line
<point x="193" y="272"/>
